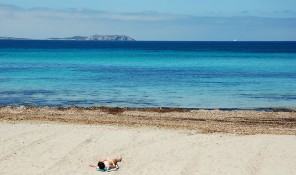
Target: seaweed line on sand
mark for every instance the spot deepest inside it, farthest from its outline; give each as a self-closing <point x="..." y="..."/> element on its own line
<point x="244" y="122"/>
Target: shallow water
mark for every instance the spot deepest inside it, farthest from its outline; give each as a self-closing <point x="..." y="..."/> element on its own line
<point x="148" y="74"/>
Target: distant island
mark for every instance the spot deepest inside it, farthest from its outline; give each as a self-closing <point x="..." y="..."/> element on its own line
<point x="98" y="38"/>
<point x="83" y="38"/>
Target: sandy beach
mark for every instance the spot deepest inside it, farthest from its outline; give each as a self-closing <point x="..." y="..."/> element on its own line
<point x="47" y="141"/>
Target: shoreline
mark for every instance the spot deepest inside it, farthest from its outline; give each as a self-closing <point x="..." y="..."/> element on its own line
<point x="160" y="109"/>
<point x="242" y="122"/>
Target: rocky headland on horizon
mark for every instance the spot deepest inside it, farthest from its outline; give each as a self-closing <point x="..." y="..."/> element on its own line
<point x="82" y="38"/>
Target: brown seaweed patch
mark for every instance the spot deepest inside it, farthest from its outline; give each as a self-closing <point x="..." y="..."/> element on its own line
<point x="118" y="110"/>
<point x="162" y="110"/>
<point x="114" y="111"/>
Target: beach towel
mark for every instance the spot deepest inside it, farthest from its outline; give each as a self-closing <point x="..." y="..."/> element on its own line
<point x="107" y="169"/>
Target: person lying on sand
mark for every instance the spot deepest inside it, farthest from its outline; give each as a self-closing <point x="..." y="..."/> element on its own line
<point x="107" y="165"/>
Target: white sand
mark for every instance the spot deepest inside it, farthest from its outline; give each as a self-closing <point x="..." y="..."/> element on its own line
<point x="35" y="148"/>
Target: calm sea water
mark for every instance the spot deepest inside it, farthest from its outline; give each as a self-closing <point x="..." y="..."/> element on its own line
<point x="148" y="74"/>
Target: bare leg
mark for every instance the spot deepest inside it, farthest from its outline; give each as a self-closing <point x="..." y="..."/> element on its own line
<point x="117" y="160"/>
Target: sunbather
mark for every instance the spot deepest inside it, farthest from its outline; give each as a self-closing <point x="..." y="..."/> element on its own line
<point x="107" y="165"/>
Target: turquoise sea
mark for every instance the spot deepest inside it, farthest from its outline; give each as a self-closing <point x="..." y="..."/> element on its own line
<point x="148" y="74"/>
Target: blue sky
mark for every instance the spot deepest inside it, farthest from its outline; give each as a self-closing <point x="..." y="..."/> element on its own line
<point x="196" y="20"/>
